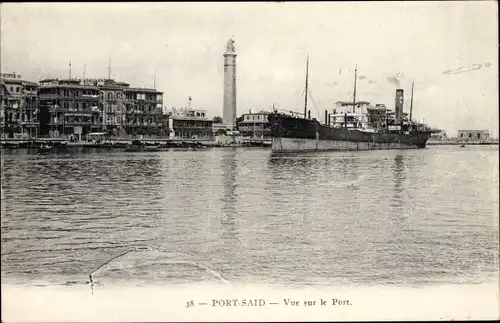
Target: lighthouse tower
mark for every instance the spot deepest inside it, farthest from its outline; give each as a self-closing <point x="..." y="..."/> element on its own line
<point x="229" y="110"/>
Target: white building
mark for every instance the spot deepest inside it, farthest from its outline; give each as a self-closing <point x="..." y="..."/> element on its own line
<point x="189" y="123"/>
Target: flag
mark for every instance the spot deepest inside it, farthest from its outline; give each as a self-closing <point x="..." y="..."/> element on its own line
<point x="190" y="99"/>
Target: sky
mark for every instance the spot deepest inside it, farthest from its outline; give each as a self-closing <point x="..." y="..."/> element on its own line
<point x="450" y="49"/>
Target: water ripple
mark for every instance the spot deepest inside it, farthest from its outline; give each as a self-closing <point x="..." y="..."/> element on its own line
<point x="386" y="217"/>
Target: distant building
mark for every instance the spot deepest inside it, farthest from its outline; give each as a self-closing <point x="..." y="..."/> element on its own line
<point x="69" y="108"/>
<point x="439" y="136"/>
<point x="144" y="115"/>
<point x="480" y="135"/>
<point x="19" y="106"/>
<point x="255" y="125"/>
<point x="219" y="128"/>
<point x="189" y="124"/>
<point x="112" y="103"/>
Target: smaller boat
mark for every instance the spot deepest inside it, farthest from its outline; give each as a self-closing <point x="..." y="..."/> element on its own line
<point x="44" y="148"/>
<point x="139" y="146"/>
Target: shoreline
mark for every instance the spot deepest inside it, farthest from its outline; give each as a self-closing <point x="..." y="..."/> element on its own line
<point x="123" y="143"/>
<point x="173" y="143"/>
<point x="459" y="143"/>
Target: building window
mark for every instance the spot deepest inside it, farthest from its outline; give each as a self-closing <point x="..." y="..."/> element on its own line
<point x="110" y="96"/>
<point x="470" y="135"/>
<point x="461" y="135"/>
<point x="478" y="136"/>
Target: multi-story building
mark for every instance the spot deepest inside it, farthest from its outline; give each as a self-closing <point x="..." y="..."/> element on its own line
<point x="77" y="107"/>
<point x="19" y="106"/>
<point x="144" y="111"/>
<point x="255" y="125"/>
<point x="111" y="104"/>
<point x="189" y="124"/>
<point x="69" y="108"/>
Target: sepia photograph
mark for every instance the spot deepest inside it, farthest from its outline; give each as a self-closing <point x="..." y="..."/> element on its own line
<point x="249" y="161"/>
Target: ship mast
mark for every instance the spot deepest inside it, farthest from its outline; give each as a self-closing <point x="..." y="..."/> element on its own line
<point x="411" y="102"/>
<point x="307" y="81"/>
<point x="354" y="96"/>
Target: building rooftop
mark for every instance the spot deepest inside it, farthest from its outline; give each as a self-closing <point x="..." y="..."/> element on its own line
<point x="142" y="89"/>
<point x="95" y="83"/>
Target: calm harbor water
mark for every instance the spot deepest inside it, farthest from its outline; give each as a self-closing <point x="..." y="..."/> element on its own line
<point x="414" y="217"/>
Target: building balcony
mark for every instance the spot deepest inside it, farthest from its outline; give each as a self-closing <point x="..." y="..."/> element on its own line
<point x="30" y="122"/>
<point x="14" y="96"/>
<point x="74" y="123"/>
<point x="12" y="122"/>
<point x="49" y="96"/>
<point x="90" y="96"/>
<point x="30" y="93"/>
<point x="11" y="108"/>
<point x="143" y="112"/>
<point x="141" y="124"/>
<point x="78" y="113"/>
<point x="87" y="98"/>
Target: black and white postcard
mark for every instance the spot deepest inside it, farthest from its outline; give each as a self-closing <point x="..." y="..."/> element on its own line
<point x="260" y="161"/>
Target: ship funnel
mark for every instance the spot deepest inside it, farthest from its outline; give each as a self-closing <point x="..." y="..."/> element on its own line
<point x="399" y="106"/>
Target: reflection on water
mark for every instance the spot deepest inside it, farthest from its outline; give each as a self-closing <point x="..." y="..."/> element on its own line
<point x="399" y="177"/>
<point x="383" y="217"/>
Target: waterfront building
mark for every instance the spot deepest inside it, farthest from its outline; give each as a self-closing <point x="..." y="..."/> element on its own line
<point x="144" y="111"/>
<point x="218" y="128"/>
<point x="479" y="135"/>
<point x="164" y="129"/>
<point x="229" y="107"/>
<point x="74" y="107"/>
<point x="19" y="107"/>
<point x="189" y="124"/>
<point x="255" y="125"/>
<point x="69" y="108"/>
<point x="112" y="105"/>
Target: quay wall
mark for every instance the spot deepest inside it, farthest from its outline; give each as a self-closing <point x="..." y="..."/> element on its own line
<point x="456" y="142"/>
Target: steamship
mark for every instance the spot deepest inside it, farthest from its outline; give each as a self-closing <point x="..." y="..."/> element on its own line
<point x="354" y="126"/>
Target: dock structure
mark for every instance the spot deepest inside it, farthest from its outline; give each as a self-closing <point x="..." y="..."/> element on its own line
<point x="123" y="142"/>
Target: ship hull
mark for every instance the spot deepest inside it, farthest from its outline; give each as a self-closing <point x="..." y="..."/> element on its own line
<point x="301" y="144"/>
<point x="297" y="134"/>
